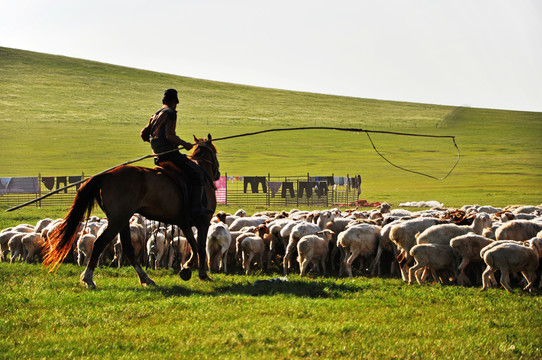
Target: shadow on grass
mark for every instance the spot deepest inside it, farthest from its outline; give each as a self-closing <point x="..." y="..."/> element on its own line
<point x="264" y="288"/>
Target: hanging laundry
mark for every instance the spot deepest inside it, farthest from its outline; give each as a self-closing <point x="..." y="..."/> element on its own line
<point x="221" y="190"/>
<point x="321" y="188"/>
<point x="49" y="182"/>
<point x="254" y="182"/>
<point x="74" y="179"/>
<point x="305" y="186"/>
<point x="287" y="186"/>
<point x="61" y="180"/>
<point x="274" y="187"/>
<point x="339" y="180"/>
<point x="4" y="183"/>
<point x="19" y="185"/>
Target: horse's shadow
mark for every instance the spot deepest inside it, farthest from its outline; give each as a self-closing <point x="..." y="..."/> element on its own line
<point x="264" y="288"/>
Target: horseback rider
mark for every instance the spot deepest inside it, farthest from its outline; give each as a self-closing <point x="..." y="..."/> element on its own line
<point x="160" y="132"/>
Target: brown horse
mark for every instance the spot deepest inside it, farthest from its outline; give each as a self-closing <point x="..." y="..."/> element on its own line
<point x="126" y="190"/>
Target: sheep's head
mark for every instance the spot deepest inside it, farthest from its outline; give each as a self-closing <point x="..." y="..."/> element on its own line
<point x="535" y="244"/>
<point x="221" y="216"/>
<point x="326" y="234"/>
<point x="484" y="218"/>
<point x="261" y="230"/>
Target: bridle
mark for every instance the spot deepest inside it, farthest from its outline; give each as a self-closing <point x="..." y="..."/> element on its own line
<point x="196" y="156"/>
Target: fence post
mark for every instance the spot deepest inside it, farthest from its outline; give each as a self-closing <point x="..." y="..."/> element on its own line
<point x="39" y="189"/>
<point x="347" y="189"/>
<point x="308" y="186"/>
<point x="268" y="195"/>
<point x="297" y="195"/>
<point x="285" y="194"/>
<point x="333" y="190"/>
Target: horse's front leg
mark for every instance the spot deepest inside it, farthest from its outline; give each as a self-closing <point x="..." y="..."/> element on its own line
<point x="186" y="272"/>
<point x="187" y="231"/>
<point x="202" y="245"/>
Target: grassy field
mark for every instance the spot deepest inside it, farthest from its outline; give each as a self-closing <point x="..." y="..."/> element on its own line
<point x="46" y="315"/>
<point x="60" y="116"/>
<point x="63" y="115"/>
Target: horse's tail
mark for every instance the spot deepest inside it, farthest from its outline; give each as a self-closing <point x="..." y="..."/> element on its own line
<point x="62" y="237"/>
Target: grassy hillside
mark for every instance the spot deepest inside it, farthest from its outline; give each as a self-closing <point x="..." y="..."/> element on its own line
<point x="61" y="115"/>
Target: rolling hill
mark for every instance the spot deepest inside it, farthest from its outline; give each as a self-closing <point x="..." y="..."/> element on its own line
<point x="65" y="115"/>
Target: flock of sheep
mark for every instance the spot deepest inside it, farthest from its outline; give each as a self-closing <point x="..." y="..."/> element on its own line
<point x="469" y="246"/>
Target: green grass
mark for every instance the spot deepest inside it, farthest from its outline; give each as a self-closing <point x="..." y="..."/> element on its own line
<point x="45" y="315"/>
<point x="63" y="116"/>
<point x="60" y="115"/>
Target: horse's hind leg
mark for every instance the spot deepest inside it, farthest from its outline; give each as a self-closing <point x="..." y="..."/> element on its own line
<point x="99" y="245"/>
<point x="128" y="250"/>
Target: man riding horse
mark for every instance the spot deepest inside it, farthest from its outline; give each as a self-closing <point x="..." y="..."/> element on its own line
<point x="160" y="132"/>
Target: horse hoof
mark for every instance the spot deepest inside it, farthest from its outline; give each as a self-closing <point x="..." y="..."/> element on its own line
<point x="149" y="282"/>
<point x="88" y="284"/>
<point x="185" y="274"/>
<point x="205" y="277"/>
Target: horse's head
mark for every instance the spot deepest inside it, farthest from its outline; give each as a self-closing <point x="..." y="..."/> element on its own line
<point x="205" y="151"/>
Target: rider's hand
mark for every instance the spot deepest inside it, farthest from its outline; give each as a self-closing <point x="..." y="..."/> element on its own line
<point x="186" y="145"/>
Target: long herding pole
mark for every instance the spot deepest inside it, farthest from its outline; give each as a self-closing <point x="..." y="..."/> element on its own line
<point x="358" y="130"/>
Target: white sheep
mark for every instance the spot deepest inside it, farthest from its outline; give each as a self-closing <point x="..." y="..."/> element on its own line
<point x="32" y="245"/>
<point x="218" y="243"/>
<point x="41" y="224"/>
<point x="276" y="247"/>
<point x="85" y="243"/>
<point x="510" y="257"/>
<point x="156" y="247"/>
<point x="242" y="222"/>
<point x="435" y="257"/>
<point x="313" y="248"/>
<point x="286" y="230"/>
<point x="24" y="228"/>
<point x="527" y="209"/>
<point x="324" y="217"/>
<point x="404" y="236"/>
<point x="468" y="247"/>
<point x="50" y="228"/>
<point x="520" y="230"/>
<point x="337" y="225"/>
<point x="360" y="240"/>
<point x="386" y="245"/>
<point x="179" y="250"/>
<point x="298" y="231"/>
<point x="227" y="219"/>
<point x="5" y="235"/>
<point x="492" y="281"/>
<point x="16" y="247"/>
<point x="137" y="239"/>
<point x="240" y="213"/>
<point x="251" y="247"/>
<point x="443" y="233"/>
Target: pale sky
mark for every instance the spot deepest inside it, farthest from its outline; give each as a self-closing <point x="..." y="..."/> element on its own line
<point x="479" y="53"/>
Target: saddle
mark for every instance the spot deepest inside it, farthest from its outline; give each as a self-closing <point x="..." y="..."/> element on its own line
<point x="172" y="171"/>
